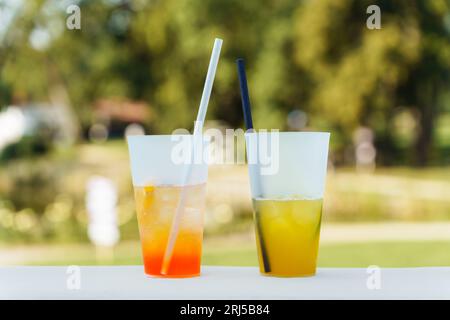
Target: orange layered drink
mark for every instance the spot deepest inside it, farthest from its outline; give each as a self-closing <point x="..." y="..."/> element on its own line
<point x="156" y="207"/>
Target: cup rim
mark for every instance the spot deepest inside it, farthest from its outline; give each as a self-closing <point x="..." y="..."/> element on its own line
<point x="205" y="138"/>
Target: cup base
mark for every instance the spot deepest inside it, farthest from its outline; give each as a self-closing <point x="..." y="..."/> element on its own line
<point x="273" y="275"/>
<point x="176" y="276"/>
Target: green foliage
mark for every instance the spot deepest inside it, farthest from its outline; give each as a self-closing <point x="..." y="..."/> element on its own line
<point x="28" y="147"/>
<point x="317" y="56"/>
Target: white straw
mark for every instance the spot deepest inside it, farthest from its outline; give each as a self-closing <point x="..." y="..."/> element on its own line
<point x="197" y="131"/>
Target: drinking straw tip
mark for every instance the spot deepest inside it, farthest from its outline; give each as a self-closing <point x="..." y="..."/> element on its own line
<point x="244" y="94"/>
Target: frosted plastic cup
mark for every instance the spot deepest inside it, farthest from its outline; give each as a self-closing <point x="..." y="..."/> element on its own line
<point x="287" y="191"/>
<point x="158" y="167"/>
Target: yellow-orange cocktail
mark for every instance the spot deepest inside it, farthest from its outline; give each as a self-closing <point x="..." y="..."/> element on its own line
<point x="287" y="233"/>
<point x="156" y="207"/>
<point x="287" y="178"/>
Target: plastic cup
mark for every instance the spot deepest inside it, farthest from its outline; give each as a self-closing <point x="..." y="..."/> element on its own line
<point x="287" y="176"/>
<point x="158" y="166"/>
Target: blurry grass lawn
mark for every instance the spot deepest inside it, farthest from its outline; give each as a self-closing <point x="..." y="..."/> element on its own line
<point x="383" y="254"/>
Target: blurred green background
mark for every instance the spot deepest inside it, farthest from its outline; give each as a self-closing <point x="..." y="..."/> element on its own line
<point x="68" y="97"/>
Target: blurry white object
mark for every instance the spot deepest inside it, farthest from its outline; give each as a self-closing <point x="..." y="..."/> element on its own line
<point x="365" y="151"/>
<point x="12" y="126"/>
<point x="134" y="129"/>
<point x="98" y="133"/>
<point x="30" y="119"/>
<point x="101" y="201"/>
<point x="297" y="120"/>
<point x="40" y="38"/>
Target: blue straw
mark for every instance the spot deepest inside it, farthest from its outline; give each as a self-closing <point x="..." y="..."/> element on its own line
<point x="246" y="108"/>
<point x="244" y="94"/>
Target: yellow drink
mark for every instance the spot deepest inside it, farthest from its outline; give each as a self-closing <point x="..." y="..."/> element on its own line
<point x="287" y="236"/>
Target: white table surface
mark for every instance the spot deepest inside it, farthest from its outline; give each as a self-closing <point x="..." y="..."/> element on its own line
<point x="129" y="282"/>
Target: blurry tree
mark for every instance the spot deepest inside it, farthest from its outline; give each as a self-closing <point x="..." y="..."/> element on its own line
<point x="359" y="76"/>
<point x="317" y="56"/>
